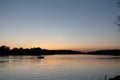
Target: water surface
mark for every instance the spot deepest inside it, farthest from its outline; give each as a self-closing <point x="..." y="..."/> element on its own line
<point x="59" y="67"/>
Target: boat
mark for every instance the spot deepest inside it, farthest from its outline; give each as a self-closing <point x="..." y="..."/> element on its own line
<point x="40" y="57"/>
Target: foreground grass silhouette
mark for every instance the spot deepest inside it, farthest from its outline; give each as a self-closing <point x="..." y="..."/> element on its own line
<point x="115" y="78"/>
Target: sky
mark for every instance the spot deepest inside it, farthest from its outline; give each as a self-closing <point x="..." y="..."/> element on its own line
<point x="60" y="24"/>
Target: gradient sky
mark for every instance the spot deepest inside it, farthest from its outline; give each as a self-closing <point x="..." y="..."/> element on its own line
<point x="59" y="24"/>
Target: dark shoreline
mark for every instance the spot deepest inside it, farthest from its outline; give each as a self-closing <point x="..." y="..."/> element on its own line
<point x="5" y="50"/>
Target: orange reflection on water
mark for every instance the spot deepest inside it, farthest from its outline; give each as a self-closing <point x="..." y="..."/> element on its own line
<point x="59" y="67"/>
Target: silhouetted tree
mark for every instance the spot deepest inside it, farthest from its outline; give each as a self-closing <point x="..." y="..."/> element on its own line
<point x="14" y="51"/>
<point x="117" y="22"/>
<point x="4" y="50"/>
<point x="118" y="3"/>
<point x="36" y="51"/>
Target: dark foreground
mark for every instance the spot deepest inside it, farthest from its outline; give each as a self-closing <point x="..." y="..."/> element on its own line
<point x="115" y="78"/>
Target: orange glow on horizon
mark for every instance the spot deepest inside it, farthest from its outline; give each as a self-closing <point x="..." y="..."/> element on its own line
<point x="59" y="46"/>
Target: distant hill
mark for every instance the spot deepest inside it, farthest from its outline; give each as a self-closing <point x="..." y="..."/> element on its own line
<point x="105" y="52"/>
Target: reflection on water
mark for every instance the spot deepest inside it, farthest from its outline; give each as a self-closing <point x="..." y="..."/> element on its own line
<point x="58" y="67"/>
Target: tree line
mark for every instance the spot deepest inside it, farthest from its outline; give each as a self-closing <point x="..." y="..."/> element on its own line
<point x="5" y="50"/>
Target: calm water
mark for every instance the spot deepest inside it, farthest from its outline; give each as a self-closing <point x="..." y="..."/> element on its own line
<point x="59" y="67"/>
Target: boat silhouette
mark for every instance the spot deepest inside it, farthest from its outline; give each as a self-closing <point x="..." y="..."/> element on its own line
<point x="41" y="57"/>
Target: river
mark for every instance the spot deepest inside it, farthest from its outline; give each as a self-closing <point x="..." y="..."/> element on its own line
<point x="59" y="67"/>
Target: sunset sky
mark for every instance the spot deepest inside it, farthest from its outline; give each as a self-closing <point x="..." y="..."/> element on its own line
<point x="60" y="24"/>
